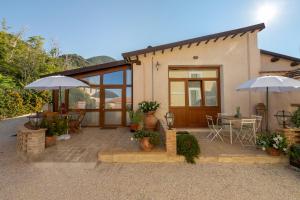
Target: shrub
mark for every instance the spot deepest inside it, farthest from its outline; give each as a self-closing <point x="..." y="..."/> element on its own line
<point x="296" y="118"/>
<point x="154" y="136"/>
<point x="182" y="133"/>
<point x="135" y="116"/>
<point x="148" y="106"/>
<point x="294" y="152"/>
<point x="187" y="145"/>
<point x="274" y="140"/>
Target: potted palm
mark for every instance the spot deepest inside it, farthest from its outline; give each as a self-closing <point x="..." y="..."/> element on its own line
<point x="149" y="108"/>
<point x="135" y="119"/>
<point x="147" y="139"/>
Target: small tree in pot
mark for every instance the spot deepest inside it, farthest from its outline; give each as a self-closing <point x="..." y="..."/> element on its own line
<point x="147" y="139"/>
<point x="135" y="119"/>
<point x="149" y="108"/>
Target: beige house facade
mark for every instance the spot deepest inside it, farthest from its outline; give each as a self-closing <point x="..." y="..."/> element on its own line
<point x="191" y="78"/>
<point x="237" y="56"/>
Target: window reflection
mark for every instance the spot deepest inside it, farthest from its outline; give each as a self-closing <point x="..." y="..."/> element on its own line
<point x="113" y="78"/>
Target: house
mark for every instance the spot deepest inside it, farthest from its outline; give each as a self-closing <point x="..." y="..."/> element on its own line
<point x="191" y="78"/>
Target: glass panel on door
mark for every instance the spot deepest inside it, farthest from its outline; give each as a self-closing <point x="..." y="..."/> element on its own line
<point x="113" y="98"/>
<point x="211" y="93"/>
<point x="113" y="78"/>
<point x="194" y="88"/>
<point x="84" y="98"/>
<point x="113" y="117"/>
<point x="177" y="91"/>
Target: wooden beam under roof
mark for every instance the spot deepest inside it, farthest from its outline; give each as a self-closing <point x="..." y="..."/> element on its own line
<point x="243" y="34"/>
<point x="233" y="36"/>
<point x="216" y="39"/>
<point x="206" y="41"/>
<point x="225" y="37"/>
<point x="180" y="47"/>
<point x="198" y="43"/>
<point x="275" y="59"/>
<point x="293" y="64"/>
<point x="189" y="45"/>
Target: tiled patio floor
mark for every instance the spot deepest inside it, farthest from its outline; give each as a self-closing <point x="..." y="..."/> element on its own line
<point x="218" y="148"/>
<point x="83" y="147"/>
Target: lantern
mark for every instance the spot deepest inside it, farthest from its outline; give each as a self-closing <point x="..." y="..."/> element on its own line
<point x="169" y="119"/>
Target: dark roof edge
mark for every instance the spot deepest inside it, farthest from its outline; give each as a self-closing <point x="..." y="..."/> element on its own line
<point x="259" y="27"/>
<point x="90" y="68"/>
<point x="270" y="53"/>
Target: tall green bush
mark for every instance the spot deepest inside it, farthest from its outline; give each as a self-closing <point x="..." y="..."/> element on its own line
<point x="187" y="145"/>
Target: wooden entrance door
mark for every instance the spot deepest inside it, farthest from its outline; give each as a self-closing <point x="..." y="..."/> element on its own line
<point x="194" y="92"/>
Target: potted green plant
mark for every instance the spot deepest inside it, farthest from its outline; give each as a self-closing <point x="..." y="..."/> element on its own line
<point x="135" y="119"/>
<point x="274" y="144"/>
<point x="296" y="118"/>
<point x="50" y="136"/>
<point x="147" y="139"/>
<point x="188" y="146"/>
<point x="149" y="108"/>
<point x="294" y="155"/>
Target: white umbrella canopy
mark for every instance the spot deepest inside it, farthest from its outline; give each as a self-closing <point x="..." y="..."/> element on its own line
<point x="270" y="84"/>
<point x="55" y="83"/>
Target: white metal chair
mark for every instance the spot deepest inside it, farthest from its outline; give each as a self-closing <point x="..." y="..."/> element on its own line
<point x="258" y="122"/>
<point x="215" y="130"/>
<point x="247" y="131"/>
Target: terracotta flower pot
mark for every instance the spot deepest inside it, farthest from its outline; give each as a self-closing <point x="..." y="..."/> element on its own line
<point x="50" y="141"/>
<point x="145" y="144"/>
<point x="150" y="121"/>
<point x="273" y="152"/>
<point x="134" y="127"/>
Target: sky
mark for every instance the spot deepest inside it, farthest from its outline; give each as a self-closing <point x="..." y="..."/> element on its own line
<point x="97" y="27"/>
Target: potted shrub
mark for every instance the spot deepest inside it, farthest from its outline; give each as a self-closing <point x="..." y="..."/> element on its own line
<point x="135" y="119"/>
<point x="274" y="144"/>
<point x="147" y="139"/>
<point x="149" y="108"/>
<point x="294" y="155"/>
<point x="188" y="146"/>
<point x="50" y="138"/>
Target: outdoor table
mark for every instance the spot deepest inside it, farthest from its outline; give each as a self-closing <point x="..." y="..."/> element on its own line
<point x="232" y="120"/>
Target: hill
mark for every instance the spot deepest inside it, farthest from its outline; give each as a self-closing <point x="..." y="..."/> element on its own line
<point x="76" y="61"/>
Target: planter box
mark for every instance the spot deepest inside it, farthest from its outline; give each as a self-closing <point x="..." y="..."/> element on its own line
<point x="292" y="135"/>
<point x="295" y="163"/>
<point x="31" y="142"/>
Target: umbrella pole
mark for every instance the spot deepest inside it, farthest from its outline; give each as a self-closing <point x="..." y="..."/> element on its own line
<point x="59" y="90"/>
<point x="267" y="113"/>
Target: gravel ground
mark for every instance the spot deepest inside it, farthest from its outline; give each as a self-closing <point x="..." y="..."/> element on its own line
<point x="20" y="180"/>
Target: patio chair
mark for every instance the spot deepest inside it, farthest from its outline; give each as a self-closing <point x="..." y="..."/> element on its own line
<point x="258" y="122"/>
<point x="221" y="121"/>
<point x="75" y="122"/>
<point x="215" y="130"/>
<point x="247" y="131"/>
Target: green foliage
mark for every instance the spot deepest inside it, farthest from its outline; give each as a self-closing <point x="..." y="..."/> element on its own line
<point x="273" y="140"/>
<point x="294" y="152"/>
<point x="296" y="118"/>
<point x="154" y="136"/>
<point x="100" y="60"/>
<point x="55" y="126"/>
<point x="187" y="145"/>
<point x="148" y="106"/>
<point x="135" y="116"/>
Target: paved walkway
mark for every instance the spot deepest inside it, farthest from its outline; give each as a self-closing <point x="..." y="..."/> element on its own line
<point x="27" y="181"/>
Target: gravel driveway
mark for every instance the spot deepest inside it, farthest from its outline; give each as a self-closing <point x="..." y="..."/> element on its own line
<point x="19" y="180"/>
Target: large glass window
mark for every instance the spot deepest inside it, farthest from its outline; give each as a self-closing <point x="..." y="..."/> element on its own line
<point x="84" y="98"/>
<point x="194" y="93"/>
<point x="91" y="119"/>
<point x="128" y="98"/>
<point x="128" y="76"/>
<point x="92" y="80"/>
<point x="113" y="98"/>
<point x="193" y="73"/>
<point x="113" y="78"/>
<point x="113" y="117"/>
<point x="177" y="93"/>
<point x="210" y="93"/>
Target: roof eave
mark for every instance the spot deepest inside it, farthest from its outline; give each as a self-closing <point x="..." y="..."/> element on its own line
<point x="243" y="30"/>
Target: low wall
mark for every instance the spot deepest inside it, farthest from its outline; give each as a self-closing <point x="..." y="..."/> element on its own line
<point x="169" y="138"/>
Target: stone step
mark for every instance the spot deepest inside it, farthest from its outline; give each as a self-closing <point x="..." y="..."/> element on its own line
<point x="162" y="157"/>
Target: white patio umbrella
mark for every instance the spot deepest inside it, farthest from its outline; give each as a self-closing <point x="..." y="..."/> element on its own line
<point x="56" y="83"/>
<point x="270" y="84"/>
